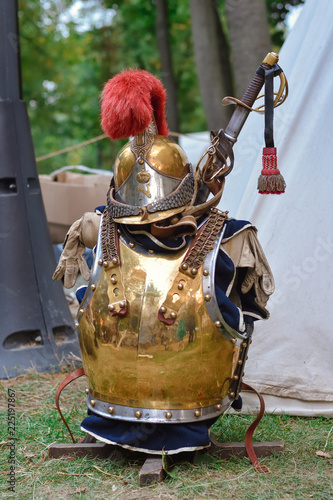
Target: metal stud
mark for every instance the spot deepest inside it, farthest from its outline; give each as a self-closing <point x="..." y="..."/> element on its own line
<point x="218" y="324"/>
<point x="244" y="344"/>
<point x="194" y="271"/>
<point x="92" y="402"/>
<point x="141" y="161"/>
<point x="180" y="286"/>
<point x="111" y="307"/>
<point x="93" y="287"/>
<point x="105" y="263"/>
<point x="235" y="377"/>
<point x="138" y="414"/>
<point x="207" y="297"/>
<point x="122" y="304"/>
<point x="240" y="362"/>
<point x="76" y="324"/>
<point x="184" y="266"/>
<point x="114" y="280"/>
<point x="173" y="315"/>
<point x="232" y="394"/>
<point x="81" y="311"/>
<point x="197" y="413"/>
<point x="100" y="262"/>
<point x="234" y="341"/>
<point x="219" y="407"/>
<point x="86" y="391"/>
<point x="205" y="272"/>
<point x="114" y="261"/>
<point x="118" y="231"/>
<point x="168" y="415"/>
<point x="132" y="245"/>
<point x="163" y="309"/>
<point x="111" y="410"/>
<point x="151" y="252"/>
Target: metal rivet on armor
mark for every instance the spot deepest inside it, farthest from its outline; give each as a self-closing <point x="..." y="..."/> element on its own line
<point x="114" y="280"/>
<point x="122" y="304"/>
<point x="219" y="407"/>
<point x="100" y="262"/>
<point x="86" y="391"/>
<point x="180" y="286"/>
<point x="76" y="324"/>
<point x="92" y="402"/>
<point x="138" y="414"/>
<point x="232" y="394"/>
<point x="197" y="413"/>
<point x="151" y="252"/>
<point x="114" y="260"/>
<point x="244" y="344"/>
<point x="93" y="287"/>
<point x="205" y="272"/>
<point x="163" y="309"/>
<point x="235" y="377"/>
<point x="207" y="297"/>
<point x="105" y="263"/>
<point x="141" y="161"/>
<point x="218" y="324"/>
<point x="184" y="267"/>
<point x="194" y="271"/>
<point x="81" y="311"/>
<point x="118" y="231"/>
<point x="168" y="415"/>
<point x="173" y="315"/>
<point x="234" y="341"/>
<point x="111" y="410"/>
<point x="111" y="307"/>
<point x="132" y="245"/>
<point x="240" y="362"/>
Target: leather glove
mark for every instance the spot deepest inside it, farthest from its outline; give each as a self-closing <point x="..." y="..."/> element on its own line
<point x="72" y="258"/>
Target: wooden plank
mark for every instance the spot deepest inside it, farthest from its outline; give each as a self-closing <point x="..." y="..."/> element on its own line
<point x="100" y="450"/>
<point x="152" y="471"/>
<point x="262" y="449"/>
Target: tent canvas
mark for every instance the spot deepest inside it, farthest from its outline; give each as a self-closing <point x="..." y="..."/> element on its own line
<point x="290" y="360"/>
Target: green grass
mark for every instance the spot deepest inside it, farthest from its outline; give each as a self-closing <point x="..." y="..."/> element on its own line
<point x="297" y="473"/>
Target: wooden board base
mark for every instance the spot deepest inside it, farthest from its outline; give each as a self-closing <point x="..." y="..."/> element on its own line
<point x="152" y="470"/>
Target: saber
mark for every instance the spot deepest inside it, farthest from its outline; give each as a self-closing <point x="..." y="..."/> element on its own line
<point x="220" y="151"/>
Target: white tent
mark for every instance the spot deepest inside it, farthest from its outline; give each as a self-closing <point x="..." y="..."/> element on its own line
<point x="291" y="358"/>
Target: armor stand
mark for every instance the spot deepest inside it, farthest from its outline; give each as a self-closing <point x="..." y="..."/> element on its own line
<point x="153" y="470"/>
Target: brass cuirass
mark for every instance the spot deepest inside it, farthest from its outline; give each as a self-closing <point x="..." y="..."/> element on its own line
<point x="138" y="365"/>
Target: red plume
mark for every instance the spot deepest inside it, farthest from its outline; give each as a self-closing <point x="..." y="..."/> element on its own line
<point x="128" y="101"/>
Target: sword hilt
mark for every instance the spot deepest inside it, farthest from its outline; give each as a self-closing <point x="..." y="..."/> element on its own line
<point x="241" y="112"/>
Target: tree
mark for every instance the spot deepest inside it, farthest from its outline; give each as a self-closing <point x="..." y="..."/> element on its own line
<point x="214" y="77"/>
<point x="249" y="38"/>
<point x="167" y="73"/>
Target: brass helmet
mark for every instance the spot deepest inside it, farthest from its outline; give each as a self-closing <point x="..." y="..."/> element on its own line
<point x="153" y="178"/>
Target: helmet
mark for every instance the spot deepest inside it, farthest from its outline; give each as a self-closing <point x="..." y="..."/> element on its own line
<point x="153" y="178"/>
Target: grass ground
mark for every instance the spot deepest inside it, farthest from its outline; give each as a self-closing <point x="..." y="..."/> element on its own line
<point x="298" y="473"/>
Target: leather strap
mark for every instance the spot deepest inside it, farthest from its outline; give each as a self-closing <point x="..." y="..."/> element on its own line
<point x="72" y="376"/>
<point x="249" y="433"/>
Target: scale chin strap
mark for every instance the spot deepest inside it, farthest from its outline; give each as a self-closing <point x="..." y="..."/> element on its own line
<point x="72" y="376"/>
<point x="249" y="433"/>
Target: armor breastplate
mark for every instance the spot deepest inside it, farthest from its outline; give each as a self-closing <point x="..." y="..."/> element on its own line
<point x="139" y="366"/>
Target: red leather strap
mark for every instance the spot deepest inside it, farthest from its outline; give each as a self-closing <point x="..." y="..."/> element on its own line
<point x="72" y="376"/>
<point x="249" y="433"/>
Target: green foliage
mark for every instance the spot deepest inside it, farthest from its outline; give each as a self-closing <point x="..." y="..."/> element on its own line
<point x="277" y="12"/>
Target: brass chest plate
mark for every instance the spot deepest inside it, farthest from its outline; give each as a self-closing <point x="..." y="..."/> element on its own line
<point x="139" y="361"/>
